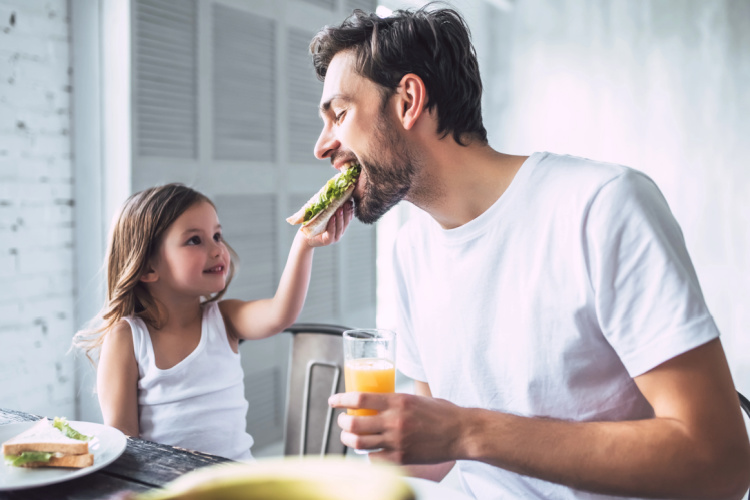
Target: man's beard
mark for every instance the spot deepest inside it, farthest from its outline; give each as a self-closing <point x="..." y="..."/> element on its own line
<point x="388" y="181"/>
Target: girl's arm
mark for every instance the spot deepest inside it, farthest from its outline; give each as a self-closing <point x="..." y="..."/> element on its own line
<point x="258" y="319"/>
<point x="117" y="380"/>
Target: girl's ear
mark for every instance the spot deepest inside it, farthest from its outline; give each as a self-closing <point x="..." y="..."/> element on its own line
<point x="411" y="99"/>
<point x="150" y="276"/>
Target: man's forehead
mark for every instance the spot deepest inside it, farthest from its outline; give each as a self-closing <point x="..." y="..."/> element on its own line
<point x="341" y="80"/>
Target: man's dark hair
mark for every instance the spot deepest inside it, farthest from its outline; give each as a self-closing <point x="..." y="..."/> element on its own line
<point x="433" y="44"/>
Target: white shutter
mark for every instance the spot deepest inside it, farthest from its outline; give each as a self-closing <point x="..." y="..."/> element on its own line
<point x="244" y="108"/>
<point x="265" y="410"/>
<point x="165" y="80"/>
<point x="303" y="91"/>
<point x="249" y="226"/>
<point x="358" y="266"/>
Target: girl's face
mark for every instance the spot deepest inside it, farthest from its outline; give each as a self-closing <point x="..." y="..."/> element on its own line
<point x="192" y="259"/>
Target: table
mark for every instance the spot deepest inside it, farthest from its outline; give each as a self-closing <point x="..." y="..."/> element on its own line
<point x="145" y="465"/>
<point x="142" y="466"/>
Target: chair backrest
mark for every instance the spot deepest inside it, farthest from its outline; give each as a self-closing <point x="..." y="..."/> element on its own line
<point x="316" y="371"/>
<point x="744" y="403"/>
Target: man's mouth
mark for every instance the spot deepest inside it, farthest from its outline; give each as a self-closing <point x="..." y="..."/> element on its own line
<point x="215" y="269"/>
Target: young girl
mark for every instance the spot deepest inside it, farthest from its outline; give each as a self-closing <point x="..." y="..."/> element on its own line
<point x="169" y="366"/>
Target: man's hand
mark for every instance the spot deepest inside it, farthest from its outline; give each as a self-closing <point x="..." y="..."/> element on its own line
<point x="410" y="429"/>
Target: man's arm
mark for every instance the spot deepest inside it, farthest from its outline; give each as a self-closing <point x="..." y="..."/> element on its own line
<point x="695" y="447"/>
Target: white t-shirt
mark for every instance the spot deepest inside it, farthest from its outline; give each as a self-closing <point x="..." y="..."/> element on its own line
<point x="199" y="403"/>
<point x="548" y="304"/>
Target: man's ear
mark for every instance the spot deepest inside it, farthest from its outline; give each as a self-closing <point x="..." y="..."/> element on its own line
<point x="412" y="98"/>
<point x="150" y="276"/>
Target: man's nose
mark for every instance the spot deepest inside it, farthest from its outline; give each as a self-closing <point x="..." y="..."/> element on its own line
<point x="327" y="144"/>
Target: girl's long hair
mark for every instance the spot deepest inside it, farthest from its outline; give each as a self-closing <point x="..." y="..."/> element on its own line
<point x="135" y="238"/>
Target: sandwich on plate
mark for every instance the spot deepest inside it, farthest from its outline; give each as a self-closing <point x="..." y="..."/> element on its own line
<point x="49" y="444"/>
<point x="319" y="209"/>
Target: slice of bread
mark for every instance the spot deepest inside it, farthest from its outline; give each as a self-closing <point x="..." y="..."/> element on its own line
<point x="42" y="436"/>
<point x="319" y="223"/>
<point x="74" y="461"/>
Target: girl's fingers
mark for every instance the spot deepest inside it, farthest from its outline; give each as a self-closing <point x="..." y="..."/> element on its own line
<point x="340" y="223"/>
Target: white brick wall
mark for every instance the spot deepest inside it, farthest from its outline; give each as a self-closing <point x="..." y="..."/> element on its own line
<point x="36" y="208"/>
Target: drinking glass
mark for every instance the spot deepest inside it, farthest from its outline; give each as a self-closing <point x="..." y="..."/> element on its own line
<point x="369" y="364"/>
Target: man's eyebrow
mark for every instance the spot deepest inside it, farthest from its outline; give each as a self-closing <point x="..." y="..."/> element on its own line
<point x="327" y="104"/>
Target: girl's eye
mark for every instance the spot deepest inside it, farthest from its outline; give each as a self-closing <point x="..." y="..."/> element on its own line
<point x="195" y="240"/>
<point x="217" y="237"/>
<point x="340" y="116"/>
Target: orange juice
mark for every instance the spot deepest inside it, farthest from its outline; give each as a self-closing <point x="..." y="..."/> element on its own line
<point x="369" y="375"/>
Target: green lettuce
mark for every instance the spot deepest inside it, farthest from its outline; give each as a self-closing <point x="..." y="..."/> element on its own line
<point x="62" y="424"/>
<point x="27" y="457"/>
<point x="333" y="189"/>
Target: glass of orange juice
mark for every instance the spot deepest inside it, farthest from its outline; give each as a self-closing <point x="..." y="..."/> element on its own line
<point x="369" y="364"/>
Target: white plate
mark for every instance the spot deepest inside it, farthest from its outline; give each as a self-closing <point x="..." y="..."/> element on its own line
<point x="430" y="490"/>
<point x="108" y="444"/>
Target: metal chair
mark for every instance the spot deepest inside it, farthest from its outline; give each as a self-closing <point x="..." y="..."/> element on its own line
<point x="316" y="371"/>
<point x="744" y="403"/>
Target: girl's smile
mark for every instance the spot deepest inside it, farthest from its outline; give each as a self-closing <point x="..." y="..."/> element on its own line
<point x="216" y="269"/>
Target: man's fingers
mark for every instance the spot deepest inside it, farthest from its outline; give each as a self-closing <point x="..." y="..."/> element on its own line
<point x="339" y="223"/>
<point x="360" y="425"/>
<point x="366" y="442"/>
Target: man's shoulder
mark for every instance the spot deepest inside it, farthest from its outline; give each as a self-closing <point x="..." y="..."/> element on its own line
<point x="583" y="176"/>
<point x="580" y="167"/>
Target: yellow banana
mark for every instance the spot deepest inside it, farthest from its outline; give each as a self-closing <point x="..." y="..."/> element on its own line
<point x="288" y="479"/>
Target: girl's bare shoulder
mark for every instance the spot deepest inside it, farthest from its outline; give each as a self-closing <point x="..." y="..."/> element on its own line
<point x="119" y="334"/>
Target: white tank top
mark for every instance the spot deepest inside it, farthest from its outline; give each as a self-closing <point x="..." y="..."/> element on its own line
<point x="199" y="403"/>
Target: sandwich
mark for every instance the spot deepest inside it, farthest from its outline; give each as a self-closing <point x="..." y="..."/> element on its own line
<point x="315" y="214"/>
<point x="49" y="444"/>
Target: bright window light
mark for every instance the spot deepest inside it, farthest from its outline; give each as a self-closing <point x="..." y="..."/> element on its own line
<point x="383" y="11"/>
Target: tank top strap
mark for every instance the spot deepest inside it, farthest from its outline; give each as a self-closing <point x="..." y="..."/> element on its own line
<point x="214" y="321"/>
<point x="142" y="348"/>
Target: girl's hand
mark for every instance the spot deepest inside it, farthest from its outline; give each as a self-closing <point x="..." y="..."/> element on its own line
<point x="336" y="227"/>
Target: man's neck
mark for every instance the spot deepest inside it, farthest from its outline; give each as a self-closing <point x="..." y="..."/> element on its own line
<point x="459" y="183"/>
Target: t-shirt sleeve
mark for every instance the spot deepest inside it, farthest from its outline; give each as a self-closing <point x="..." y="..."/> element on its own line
<point x="648" y="299"/>
<point x="408" y="360"/>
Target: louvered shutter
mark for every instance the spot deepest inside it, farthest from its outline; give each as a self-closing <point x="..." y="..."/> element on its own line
<point x="304" y="91"/>
<point x="243" y="78"/>
<point x="255" y="242"/>
<point x="358" y="265"/>
<point x="165" y="82"/>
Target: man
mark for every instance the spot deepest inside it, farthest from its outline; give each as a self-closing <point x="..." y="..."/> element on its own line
<point x="549" y="311"/>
